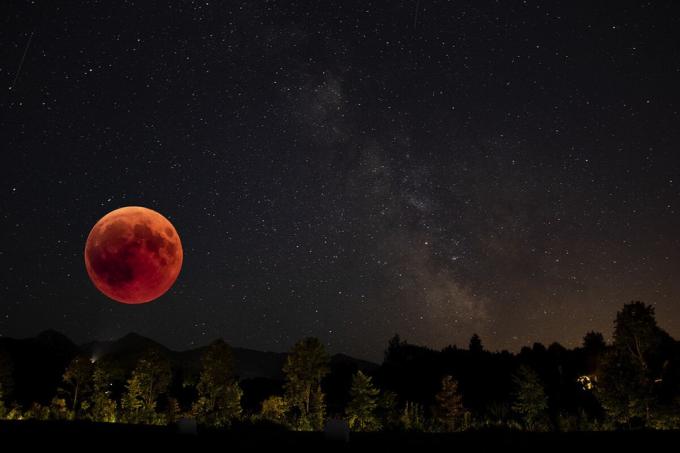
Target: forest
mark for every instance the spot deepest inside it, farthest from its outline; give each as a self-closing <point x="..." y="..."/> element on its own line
<point x="629" y="383"/>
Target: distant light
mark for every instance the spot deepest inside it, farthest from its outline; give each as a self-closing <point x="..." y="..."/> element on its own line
<point x="586" y="382"/>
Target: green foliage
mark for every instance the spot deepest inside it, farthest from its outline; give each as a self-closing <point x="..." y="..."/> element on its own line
<point x="77" y="380"/>
<point x="149" y="380"/>
<point x="6" y="379"/>
<point x="59" y="409"/>
<point x="102" y="407"/>
<point x="531" y="402"/>
<point x="219" y="395"/>
<point x="413" y="417"/>
<point x="274" y="409"/>
<point x="449" y="410"/>
<point x="304" y="368"/>
<point x="317" y="409"/>
<point x="361" y="409"/>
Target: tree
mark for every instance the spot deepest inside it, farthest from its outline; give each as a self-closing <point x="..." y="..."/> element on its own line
<point x="636" y="332"/>
<point x="149" y="380"/>
<point x="626" y="379"/>
<point x="530" y="402"/>
<point x="449" y="409"/>
<point x="77" y="378"/>
<point x="412" y="418"/>
<point x="6" y="381"/>
<point x="388" y="412"/>
<point x="594" y="342"/>
<point x="219" y="395"/>
<point x="361" y="409"/>
<point x="274" y="409"/>
<point x="317" y="409"/>
<point x="102" y="407"/>
<point x="393" y="349"/>
<point x="622" y="389"/>
<point x="305" y="366"/>
<point x="476" y="344"/>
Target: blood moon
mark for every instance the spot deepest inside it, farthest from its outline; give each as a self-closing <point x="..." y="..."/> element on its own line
<point x="133" y="255"/>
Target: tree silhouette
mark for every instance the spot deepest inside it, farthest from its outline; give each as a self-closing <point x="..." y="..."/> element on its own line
<point x="361" y="409"/>
<point x="594" y="341"/>
<point x="449" y="409"/>
<point x="476" y="344"/>
<point x="626" y="382"/>
<point x="636" y="332"/>
<point x="304" y="368"/>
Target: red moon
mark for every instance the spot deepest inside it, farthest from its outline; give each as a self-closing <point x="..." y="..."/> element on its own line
<point x="133" y="255"/>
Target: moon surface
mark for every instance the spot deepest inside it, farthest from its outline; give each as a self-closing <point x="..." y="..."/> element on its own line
<point x="133" y="255"/>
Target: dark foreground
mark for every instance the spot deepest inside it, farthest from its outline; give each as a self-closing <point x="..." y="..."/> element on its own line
<point x="86" y="436"/>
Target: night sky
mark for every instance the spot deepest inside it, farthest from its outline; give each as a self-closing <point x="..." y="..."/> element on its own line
<point x="347" y="170"/>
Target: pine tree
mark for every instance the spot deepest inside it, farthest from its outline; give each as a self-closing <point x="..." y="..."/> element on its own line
<point x="476" y="345"/>
<point x="530" y="402"/>
<point x="449" y="409"/>
<point x="219" y="395"/>
<point x="305" y="367"/>
<point x="361" y="409"/>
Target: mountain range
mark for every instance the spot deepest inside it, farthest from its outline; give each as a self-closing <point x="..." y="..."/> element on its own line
<point x="39" y="362"/>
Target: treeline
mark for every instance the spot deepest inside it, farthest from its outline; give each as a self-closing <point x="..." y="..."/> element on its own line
<point x="634" y="382"/>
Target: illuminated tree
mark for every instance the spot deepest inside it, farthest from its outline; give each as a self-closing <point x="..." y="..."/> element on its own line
<point x="304" y="368"/>
<point x="77" y="379"/>
<point x="449" y="409"/>
<point x="172" y="411"/>
<point x="361" y="409"/>
<point x="412" y="417"/>
<point x="6" y="381"/>
<point x="59" y="409"/>
<point x="531" y="402"/>
<point x="317" y="409"/>
<point x="149" y="380"/>
<point x="219" y="395"/>
<point x="102" y="407"/>
<point x="274" y="409"/>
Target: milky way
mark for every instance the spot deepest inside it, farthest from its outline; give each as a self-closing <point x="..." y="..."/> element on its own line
<point x="348" y="171"/>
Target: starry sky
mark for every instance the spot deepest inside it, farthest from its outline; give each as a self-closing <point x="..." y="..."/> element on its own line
<point x="346" y="169"/>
